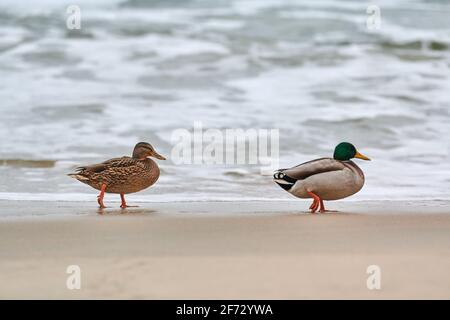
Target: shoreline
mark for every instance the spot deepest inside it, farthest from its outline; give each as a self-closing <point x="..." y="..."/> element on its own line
<point x="231" y="251"/>
<point x="15" y="209"/>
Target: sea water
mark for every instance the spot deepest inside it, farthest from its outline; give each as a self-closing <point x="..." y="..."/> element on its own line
<point x="139" y="70"/>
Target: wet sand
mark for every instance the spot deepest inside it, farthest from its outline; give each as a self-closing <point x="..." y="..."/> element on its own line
<point x="225" y="250"/>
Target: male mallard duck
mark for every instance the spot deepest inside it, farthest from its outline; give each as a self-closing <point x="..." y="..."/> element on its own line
<point x="324" y="178"/>
<point x="122" y="175"/>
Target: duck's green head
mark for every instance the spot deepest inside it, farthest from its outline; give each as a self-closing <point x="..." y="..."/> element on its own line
<point x="345" y="151"/>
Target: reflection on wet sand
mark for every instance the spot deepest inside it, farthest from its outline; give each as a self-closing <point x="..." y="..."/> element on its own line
<point x="127" y="211"/>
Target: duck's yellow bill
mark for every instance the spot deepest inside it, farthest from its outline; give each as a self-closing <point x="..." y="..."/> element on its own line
<point x="361" y="156"/>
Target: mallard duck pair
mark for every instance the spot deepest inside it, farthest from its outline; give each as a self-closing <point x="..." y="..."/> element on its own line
<point x="320" y="179"/>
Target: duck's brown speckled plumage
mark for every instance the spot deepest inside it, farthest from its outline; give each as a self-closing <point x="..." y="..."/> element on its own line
<point x="121" y="175"/>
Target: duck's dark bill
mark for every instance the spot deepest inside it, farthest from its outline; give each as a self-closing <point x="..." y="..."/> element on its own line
<point x="158" y="156"/>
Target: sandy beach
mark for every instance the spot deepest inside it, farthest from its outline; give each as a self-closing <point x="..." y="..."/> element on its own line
<point x="225" y="250"/>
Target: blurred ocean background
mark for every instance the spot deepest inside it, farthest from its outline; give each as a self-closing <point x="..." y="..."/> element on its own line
<point x="137" y="70"/>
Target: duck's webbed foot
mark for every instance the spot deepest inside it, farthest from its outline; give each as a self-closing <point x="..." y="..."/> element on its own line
<point x="101" y="196"/>
<point x="124" y="203"/>
<point x="313" y="207"/>
<point x="322" y="208"/>
<point x="317" y="201"/>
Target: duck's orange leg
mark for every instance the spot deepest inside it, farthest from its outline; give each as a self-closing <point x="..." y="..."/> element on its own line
<point x="101" y="196"/>
<point x="322" y="208"/>
<point x="315" y="204"/>
<point x="315" y="207"/>
<point x="124" y="203"/>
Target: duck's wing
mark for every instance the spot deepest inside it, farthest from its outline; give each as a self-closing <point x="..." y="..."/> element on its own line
<point x="108" y="164"/>
<point x="120" y="162"/>
<point x="307" y="169"/>
<point x="107" y="171"/>
<point x="286" y="178"/>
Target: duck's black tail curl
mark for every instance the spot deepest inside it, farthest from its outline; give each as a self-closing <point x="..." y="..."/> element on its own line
<point x="283" y="180"/>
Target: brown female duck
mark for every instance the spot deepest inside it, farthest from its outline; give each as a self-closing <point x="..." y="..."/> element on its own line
<point x="122" y="175"/>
